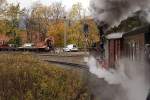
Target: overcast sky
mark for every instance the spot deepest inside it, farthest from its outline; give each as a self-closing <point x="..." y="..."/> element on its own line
<point x="66" y="3"/>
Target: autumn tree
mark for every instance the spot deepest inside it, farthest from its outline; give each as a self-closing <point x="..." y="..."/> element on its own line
<point x="43" y="17"/>
<point x="13" y="14"/>
<point x="56" y="26"/>
<point x="76" y="10"/>
<point x="42" y="21"/>
<point x="36" y="21"/>
<point x="12" y="21"/>
<point x="129" y="24"/>
<point x="78" y="19"/>
<point x="74" y="24"/>
<point x="3" y="6"/>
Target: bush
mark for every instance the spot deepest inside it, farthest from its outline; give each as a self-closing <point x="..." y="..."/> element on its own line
<point x="22" y="77"/>
<point x="17" y="41"/>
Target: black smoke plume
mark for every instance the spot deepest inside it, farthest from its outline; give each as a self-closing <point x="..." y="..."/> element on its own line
<point x="112" y="12"/>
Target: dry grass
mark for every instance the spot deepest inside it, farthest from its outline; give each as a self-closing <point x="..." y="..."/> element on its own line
<point x="22" y="77"/>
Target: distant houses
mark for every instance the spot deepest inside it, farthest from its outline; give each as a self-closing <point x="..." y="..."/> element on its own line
<point x="4" y="39"/>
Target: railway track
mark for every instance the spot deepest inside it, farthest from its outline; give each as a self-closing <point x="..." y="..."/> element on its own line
<point x="73" y="65"/>
<point x="72" y="59"/>
<point x="24" y="49"/>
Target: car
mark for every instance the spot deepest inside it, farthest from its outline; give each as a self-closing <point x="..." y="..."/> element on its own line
<point x="12" y="45"/>
<point x="28" y="45"/>
<point x="71" y="47"/>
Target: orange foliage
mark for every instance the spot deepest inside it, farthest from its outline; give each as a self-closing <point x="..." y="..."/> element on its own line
<point x="56" y="30"/>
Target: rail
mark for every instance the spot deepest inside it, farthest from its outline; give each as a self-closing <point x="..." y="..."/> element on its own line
<point x="24" y="49"/>
<point x="81" y="66"/>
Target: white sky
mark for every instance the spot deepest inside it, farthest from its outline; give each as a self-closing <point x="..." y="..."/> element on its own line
<point x="66" y="3"/>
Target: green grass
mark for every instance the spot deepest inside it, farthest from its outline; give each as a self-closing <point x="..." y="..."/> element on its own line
<point x="22" y="77"/>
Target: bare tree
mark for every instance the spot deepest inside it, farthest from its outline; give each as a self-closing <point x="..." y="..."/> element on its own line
<point x="2" y="2"/>
<point x="42" y="17"/>
<point x="75" y="13"/>
<point x="2" y="7"/>
<point x="58" y="11"/>
<point x="39" y="20"/>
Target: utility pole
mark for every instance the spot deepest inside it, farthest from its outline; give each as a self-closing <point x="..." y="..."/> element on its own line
<point x="86" y="32"/>
<point x="65" y="31"/>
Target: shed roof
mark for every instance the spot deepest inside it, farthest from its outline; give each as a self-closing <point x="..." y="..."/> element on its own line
<point x="115" y="35"/>
<point x="137" y="30"/>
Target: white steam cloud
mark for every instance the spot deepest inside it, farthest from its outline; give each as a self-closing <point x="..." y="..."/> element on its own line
<point x="130" y="75"/>
<point x="112" y="12"/>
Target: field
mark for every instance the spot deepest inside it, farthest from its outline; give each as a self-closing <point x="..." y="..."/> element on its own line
<point x="22" y="77"/>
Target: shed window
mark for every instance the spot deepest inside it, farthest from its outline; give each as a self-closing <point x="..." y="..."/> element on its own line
<point x="147" y="38"/>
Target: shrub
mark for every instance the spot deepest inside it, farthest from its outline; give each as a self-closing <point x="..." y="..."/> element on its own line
<point x="17" y="41"/>
<point x="22" y="77"/>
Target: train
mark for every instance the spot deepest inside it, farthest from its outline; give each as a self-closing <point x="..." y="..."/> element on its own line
<point x="45" y="46"/>
<point x="133" y="45"/>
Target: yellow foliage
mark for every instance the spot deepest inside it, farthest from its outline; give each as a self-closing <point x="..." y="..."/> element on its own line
<point x="57" y="30"/>
<point x="22" y="77"/>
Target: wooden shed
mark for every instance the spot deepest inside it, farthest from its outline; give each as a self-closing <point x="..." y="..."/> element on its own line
<point x="135" y="41"/>
<point x="115" y="43"/>
<point x="131" y="45"/>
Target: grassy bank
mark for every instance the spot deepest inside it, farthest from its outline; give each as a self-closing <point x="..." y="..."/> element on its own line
<point x="22" y="77"/>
